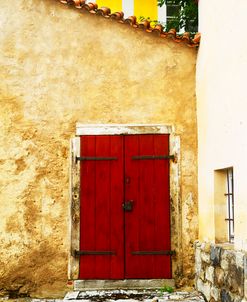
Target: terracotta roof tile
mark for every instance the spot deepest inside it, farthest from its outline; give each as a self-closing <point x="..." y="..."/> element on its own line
<point x="145" y="25"/>
<point x="104" y="11"/>
<point x="118" y="16"/>
<point x="91" y="7"/>
<point x="132" y="21"/>
<point x="79" y="3"/>
<point x="197" y="38"/>
<point x="158" y="29"/>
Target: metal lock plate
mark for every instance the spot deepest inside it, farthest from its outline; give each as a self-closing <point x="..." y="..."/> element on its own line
<point x="128" y="205"/>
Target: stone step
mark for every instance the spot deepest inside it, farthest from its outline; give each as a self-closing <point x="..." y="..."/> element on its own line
<point x="121" y="295"/>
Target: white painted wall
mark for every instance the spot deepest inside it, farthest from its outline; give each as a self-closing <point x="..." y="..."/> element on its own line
<point x="222" y="109"/>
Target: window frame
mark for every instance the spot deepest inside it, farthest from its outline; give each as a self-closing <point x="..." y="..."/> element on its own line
<point x="224" y="205"/>
<point x="230" y="203"/>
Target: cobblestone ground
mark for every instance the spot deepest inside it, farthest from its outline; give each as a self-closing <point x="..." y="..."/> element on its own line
<point x="121" y="296"/>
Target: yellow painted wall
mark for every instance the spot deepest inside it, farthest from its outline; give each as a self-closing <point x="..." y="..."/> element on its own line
<point x="115" y="5"/>
<point x="59" y="67"/>
<point x="222" y="109"/>
<point x="146" y="9"/>
<point x="141" y="8"/>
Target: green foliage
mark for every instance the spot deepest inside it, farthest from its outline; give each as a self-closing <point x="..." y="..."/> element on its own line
<point x="167" y="288"/>
<point x="185" y="15"/>
<point x="152" y="22"/>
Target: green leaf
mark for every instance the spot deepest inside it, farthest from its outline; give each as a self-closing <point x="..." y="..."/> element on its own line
<point x="186" y="17"/>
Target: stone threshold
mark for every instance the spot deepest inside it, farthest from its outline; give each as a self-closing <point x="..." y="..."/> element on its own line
<point x="80" y="285"/>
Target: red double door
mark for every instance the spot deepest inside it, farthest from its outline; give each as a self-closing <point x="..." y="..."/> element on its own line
<point x="125" y="215"/>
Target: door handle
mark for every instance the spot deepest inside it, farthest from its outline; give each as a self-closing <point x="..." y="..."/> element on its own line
<point x="128" y="205"/>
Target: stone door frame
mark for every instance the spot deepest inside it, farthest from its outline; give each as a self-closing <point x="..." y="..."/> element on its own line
<point x="175" y="185"/>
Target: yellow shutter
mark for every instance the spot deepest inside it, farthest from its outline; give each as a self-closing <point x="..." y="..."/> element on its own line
<point x="146" y="9"/>
<point x="114" y="5"/>
<point x="142" y="8"/>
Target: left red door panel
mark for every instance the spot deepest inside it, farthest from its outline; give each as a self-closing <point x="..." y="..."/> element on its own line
<point x="102" y="221"/>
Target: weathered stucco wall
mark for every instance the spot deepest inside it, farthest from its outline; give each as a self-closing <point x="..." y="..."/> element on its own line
<point x="221" y="104"/>
<point x="59" y="67"/>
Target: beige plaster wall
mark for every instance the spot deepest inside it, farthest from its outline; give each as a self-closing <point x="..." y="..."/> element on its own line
<point x="222" y="109"/>
<point x="58" y="67"/>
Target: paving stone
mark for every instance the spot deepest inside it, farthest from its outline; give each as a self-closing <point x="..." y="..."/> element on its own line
<point x="175" y="297"/>
<point x="122" y="300"/>
<point x="71" y="295"/>
<point x="137" y="295"/>
<point x="122" y="296"/>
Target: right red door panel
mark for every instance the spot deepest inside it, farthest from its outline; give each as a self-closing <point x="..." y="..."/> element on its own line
<point x="147" y="219"/>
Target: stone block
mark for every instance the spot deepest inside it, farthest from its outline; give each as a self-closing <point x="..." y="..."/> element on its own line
<point x="198" y="283"/>
<point x="245" y="289"/>
<point x="204" y="288"/>
<point x="198" y="255"/>
<point x="224" y="263"/>
<point x="225" y="296"/>
<point x="245" y="266"/>
<point x="236" y="298"/>
<point x="207" y="291"/>
<point x="205" y="257"/>
<point x="240" y="257"/>
<point x="202" y="275"/>
<point x="215" y="255"/>
<point x="219" y="276"/>
<point x="215" y="293"/>
<point x="198" y="261"/>
<point x="197" y="244"/>
<point x="234" y="280"/>
<point x="205" y="247"/>
<point x="228" y="255"/>
<point x="82" y="285"/>
<point x="209" y="274"/>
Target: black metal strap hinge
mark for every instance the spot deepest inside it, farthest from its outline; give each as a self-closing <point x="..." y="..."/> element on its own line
<point x="94" y="253"/>
<point x="96" y="158"/>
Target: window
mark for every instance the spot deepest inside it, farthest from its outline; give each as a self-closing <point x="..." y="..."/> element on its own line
<point x="172" y="10"/>
<point x="230" y="203"/>
<point x="224" y="205"/>
<point x="181" y="17"/>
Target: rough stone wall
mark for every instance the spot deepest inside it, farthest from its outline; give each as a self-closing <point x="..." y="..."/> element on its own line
<point x="59" y="67"/>
<point x="221" y="273"/>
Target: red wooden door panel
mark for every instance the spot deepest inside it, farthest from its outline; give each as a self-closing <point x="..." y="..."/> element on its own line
<point x="147" y="226"/>
<point x="102" y="232"/>
<point x="119" y="243"/>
